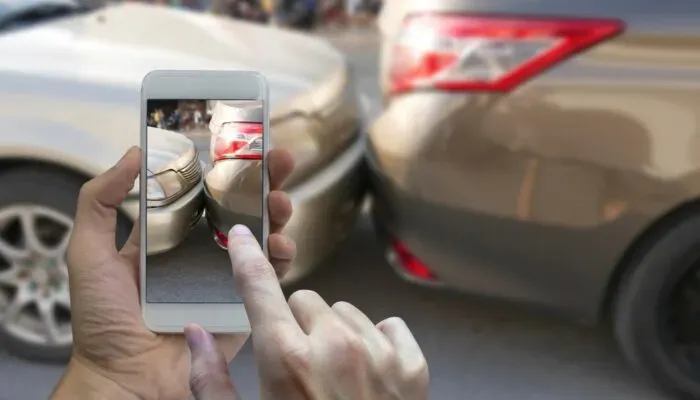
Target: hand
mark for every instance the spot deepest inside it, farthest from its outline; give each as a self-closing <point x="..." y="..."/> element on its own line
<point x="306" y="349"/>
<point x="111" y="341"/>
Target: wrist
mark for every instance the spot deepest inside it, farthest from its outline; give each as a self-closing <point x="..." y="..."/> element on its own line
<point x="81" y="382"/>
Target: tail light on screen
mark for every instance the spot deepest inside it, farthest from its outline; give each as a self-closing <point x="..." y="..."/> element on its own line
<point x="239" y="140"/>
<point x="410" y="264"/>
<point x="453" y="52"/>
<point x="220" y="238"/>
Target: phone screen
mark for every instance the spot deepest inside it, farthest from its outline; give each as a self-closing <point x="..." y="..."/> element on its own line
<point x="204" y="174"/>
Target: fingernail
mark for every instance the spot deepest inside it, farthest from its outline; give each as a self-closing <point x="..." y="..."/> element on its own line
<point x="240" y="230"/>
<point x="196" y="338"/>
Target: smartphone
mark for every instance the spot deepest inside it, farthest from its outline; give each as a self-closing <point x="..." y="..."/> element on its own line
<point x="204" y="140"/>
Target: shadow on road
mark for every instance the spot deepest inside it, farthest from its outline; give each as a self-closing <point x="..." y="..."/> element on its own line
<point x="477" y="348"/>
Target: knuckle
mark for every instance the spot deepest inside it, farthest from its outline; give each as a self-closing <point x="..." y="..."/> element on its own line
<point x="244" y="241"/>
<point x="394" y="321"/>
<point x="254" y="270"/>
<point x="417" y="373"/>
<point x="87" y="190"/>
<point x="347" y="355"/>
<point x="386" y="357"/>
<point x="203" y="380"/>
<point x="283" y="339"/>
<point x="297" y="359"/>
<point x="342" y="305"/>
<point x="209" y="372"/>
<point x="347" y="342"/>
<point x="292" y="351"/>
<point x="302" y="296"/>
<point x="293" y="356"/>
<point x="354" y="345"/>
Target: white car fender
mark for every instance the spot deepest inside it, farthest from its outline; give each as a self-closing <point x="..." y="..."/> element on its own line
<point x="58" y="144"/>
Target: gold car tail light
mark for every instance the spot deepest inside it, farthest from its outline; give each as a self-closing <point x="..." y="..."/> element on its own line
<point x="240" y="141"/>
<point x="458" y="52"/>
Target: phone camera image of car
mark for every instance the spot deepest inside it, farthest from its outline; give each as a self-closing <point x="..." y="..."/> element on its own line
<point x="173" y="189"/>
<point x="221" y="166"/>
<point x="232" y="184"/>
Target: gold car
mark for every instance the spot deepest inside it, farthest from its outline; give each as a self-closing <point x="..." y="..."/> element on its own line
<point x="328" y="182"/>
<point x="547" y="152"/>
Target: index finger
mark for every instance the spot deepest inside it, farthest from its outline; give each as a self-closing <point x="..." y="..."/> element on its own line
<point x="256" y="281"/>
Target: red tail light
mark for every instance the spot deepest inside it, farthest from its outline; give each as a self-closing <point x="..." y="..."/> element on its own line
<point x="239" y="140"/>
<point x="220" y="238"/>
<point x="411" y="265"/>
<point x="479" y="53"/>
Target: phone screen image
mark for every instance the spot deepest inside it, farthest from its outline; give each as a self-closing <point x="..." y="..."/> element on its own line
<point x="204" y="171"/>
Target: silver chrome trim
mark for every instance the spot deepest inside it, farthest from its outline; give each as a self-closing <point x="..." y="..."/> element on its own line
<point x="189" y="177"/>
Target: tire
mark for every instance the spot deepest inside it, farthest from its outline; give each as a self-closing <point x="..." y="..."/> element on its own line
<point x="52" y="190"/>
<point x="643" y="304"/>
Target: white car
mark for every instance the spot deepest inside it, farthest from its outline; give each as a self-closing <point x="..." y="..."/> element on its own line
<point x="70" y="80"/>
<point x="174" y="189"/>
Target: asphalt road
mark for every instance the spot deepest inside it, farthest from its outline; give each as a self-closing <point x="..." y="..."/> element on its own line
<point x="477" y="349"/>
<point x="183" y="275"/>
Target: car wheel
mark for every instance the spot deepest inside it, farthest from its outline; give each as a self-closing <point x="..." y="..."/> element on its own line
<point x="657" y="312"/>
<point x="37" y="206"/>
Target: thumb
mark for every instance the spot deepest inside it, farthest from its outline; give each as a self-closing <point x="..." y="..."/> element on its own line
<point x="96" y="215"/>
<point x="209" y="378"/>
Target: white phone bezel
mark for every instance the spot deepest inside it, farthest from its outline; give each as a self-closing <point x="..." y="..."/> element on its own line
<point x="196" y="85"/>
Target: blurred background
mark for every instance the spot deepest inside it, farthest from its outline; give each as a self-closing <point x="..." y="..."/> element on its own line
<point x="450" y="155"/>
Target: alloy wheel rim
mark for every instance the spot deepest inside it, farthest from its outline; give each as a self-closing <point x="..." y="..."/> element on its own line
<point x="34" y="295"/>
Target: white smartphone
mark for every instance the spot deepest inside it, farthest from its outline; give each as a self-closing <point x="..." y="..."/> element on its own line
<point x="204" y="140"/>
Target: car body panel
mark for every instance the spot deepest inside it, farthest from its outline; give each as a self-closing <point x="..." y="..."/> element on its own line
<point x="168" y="226"/>
<point x="326" y="197"/>
<point x="236" y="185"/>
<point x="326" y="207"/>
<point x="536" y="195"/>
<point x="170" y="223"/>
<point x="121" y="43"/>
<point x="316" y="138"/>
<point x="84" y="75"/>
<point x="168" y="150"/>
<point x="25" y="138"/>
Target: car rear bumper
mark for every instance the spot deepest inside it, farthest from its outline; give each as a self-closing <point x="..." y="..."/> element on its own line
<point x="451" y="196"/>
<point x="326" y="206"/>
<point x="169" y="225"/>
<point x="479" y="254"/>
